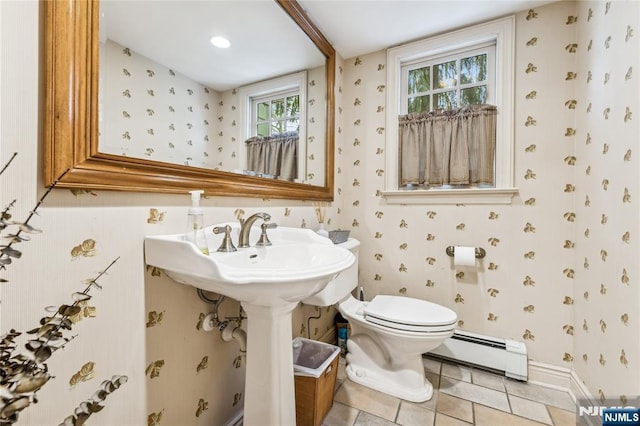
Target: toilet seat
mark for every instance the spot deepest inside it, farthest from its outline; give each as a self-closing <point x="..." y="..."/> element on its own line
<point x="409" y="314"/>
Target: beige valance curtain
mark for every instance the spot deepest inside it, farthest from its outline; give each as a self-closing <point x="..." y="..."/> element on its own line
<point x="453" y="147"/>
<point x="274" y="155"/>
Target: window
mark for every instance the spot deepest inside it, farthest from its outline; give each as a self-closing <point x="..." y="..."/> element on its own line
<point x="275" y="107"/>
<point x="448" y="82"/>
<point x="451" y="71"/>
<point x="275" y="114"/>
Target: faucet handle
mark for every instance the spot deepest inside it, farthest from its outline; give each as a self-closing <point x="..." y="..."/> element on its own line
<point x="263" y="241"/>
<point x="227" y="244"/>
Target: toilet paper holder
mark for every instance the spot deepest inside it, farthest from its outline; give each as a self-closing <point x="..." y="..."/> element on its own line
<point x="479" y="252"/>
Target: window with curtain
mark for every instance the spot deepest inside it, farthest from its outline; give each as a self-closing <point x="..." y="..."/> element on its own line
<point x="273" y="114"/>
<point x="275" y="123"/>
<point x="450" y="117"/>
<point x="447" y="132"/>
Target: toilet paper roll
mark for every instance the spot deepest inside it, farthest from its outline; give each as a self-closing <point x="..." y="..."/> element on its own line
<point x="464" y="256"/>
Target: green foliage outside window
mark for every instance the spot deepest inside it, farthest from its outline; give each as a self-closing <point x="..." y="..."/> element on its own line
<point x="456" y="83"/>
<point x="278" y="115"/>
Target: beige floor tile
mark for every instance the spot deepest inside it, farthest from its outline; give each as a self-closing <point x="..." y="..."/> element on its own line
<point x="488" y="380"/>
<point x="456" y="372"/>
<point x="475" y="393"/>
<point x="369" y="400"/>
<point x="340" y="415"/>
<point x="486" y="416"/>
<point x="556" y="398"/>
<point x="562" y="417"/>
<point x="461" y="396"/>
<point x="434" y="379"/>
<point x="530" y="409"/>
<point x="366" y="419"/>
<point x="444" y="420"/>
<point x="455" y="407"/>
<point x="431" y="403"/>
<point x="412" y="414"/>
<point x="432" y="365"/>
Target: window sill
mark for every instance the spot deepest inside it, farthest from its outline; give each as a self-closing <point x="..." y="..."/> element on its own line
<point x="451" y="196"/>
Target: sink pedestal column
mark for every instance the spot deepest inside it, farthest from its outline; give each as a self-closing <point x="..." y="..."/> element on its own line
<point x="269" y="385"/>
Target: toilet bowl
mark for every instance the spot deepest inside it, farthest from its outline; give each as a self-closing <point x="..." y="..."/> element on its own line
<point x="389" y="334"/>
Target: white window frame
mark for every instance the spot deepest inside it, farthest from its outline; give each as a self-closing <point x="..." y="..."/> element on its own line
<point x="502" y="31"/>
<point x="297" y="81"/>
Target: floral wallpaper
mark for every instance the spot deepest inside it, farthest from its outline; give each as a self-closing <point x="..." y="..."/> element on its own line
<point x="522" y="289"/>
<point x="153" y="112"/>
<point x="606" y="293"/>
<point x="550" y="254"/>
<point x="562" y="260"/>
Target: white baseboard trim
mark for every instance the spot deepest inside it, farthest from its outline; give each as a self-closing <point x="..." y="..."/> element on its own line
<point x="567" y="380"/>
<point x="560" y="378"/>
<point x="549" y="376"/>
<point x="578" y="390"/>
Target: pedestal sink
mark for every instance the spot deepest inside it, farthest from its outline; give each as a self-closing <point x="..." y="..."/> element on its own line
<point x="269" y="282"/>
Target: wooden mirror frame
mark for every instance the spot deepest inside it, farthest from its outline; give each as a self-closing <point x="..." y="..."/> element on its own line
<point x="71" y="119"/>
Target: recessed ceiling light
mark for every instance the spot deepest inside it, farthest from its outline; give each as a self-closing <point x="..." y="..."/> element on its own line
<point x="220" y="42"/>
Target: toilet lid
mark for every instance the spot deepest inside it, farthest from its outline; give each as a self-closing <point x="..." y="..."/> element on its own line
<point x="407" y="313"/>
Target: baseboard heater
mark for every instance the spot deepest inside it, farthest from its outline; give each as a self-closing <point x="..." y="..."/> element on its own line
<point x="508" y="357"/>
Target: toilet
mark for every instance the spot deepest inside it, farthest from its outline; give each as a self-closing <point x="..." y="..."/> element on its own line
<point x="389" y="334"/>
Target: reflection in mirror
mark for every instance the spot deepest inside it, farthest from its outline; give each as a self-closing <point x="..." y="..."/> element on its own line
<point x="71" y="117"/>
<point x="167" y="94"/>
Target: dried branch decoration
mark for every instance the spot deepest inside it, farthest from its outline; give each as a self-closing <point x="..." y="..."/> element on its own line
<point x="23" y="373"/>
<point x="95" y="403"/>
<point x="7" y="252"/>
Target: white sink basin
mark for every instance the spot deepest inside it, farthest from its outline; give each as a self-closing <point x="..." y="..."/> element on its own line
<point x="269" y="282"/>
<point x="298" y="264"/>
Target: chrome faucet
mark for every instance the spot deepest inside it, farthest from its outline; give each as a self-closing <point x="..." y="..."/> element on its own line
<point x="245" y="227"/>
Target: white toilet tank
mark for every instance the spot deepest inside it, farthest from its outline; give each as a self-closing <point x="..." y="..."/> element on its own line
<point x="342" y="285"/>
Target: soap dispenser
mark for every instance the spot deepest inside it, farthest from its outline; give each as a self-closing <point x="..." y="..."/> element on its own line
<point x="195" y="223"/>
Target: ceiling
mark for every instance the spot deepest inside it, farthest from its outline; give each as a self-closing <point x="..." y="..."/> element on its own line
<point x="266" y="43"/>
<point x="357" y="27"/>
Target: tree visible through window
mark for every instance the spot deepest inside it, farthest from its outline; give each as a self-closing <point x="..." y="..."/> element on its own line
<point x="446" y="83"/>
<point x="276" y="114"/>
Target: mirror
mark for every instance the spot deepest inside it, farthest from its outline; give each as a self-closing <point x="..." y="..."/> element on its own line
<point x="71" y="127"/>
<point x="168" y="94"/>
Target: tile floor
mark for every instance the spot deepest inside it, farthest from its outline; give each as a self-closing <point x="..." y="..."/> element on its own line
<point x="462" y="396"/>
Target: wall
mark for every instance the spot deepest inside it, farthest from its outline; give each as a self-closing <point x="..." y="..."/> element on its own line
<point x="524" y="292"/>
<point x="150" y="111"/>
<point x="550" y="254"/>
<point x="521" y="293"/>
<point x="606" y="294"/>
